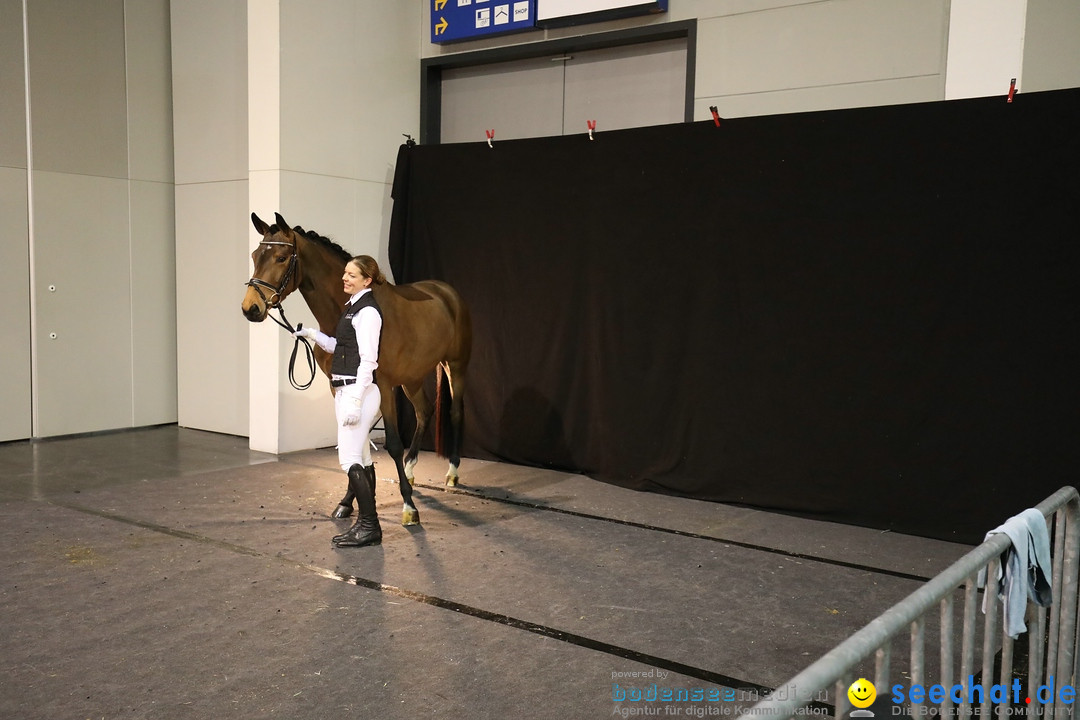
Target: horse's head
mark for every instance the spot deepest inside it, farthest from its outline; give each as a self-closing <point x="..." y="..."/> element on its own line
<point x="277" y="271"/>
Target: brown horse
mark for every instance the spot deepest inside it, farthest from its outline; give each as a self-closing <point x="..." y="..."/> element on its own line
<point x="426" y="326"/>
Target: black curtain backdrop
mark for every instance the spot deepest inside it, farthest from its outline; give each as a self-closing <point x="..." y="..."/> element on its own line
<point x="864" y="316"/>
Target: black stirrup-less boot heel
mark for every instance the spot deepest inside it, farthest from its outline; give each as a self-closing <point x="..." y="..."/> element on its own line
<point x="366" y="529"/>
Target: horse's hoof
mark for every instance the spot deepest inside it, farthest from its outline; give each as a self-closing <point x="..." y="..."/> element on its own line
<point x="451" y="480"/>
<point x="410" y="516"/>
<point x="342" y="511"/>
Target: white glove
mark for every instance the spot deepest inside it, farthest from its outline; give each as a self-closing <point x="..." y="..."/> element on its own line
<point x="321" y="339"/>
<point x="352" y="395"/>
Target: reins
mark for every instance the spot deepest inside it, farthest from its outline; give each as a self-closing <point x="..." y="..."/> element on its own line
<point x="275" y="304"/>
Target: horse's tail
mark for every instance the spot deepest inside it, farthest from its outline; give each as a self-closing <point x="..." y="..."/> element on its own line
<point x="444" y="441"/>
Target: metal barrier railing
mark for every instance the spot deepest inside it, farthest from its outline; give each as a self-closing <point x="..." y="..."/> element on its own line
<point x="1056" y="657"/>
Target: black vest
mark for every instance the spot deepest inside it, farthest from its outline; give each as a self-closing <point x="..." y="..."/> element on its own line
<point x="347" y="352"/>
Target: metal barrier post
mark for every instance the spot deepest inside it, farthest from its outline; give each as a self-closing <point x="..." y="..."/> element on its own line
<point x="946" y="649"/>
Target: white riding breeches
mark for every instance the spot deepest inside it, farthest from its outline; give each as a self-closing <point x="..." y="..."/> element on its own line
<point x="353" y="444"/>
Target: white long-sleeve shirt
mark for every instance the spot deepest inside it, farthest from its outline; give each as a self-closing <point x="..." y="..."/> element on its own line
<point x="368" y="327"/>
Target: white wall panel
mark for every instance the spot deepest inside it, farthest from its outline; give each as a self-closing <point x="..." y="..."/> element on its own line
<point x="327" y="118"/>
<point x="15" y="401"/>
<point x="212" y="263"/>
<point x="326" y="205"/>
<point x="83" y="329"/>
<point x="153" y="303"/>
<point x="209" y="61"/>
<point x="349" y="212"/>
<point x="210" y="136"/>
<point x="349" y="85"/>
<point x="353" y="213"/>
<point x="77" y="87"/>
<point x="986" y="47"/>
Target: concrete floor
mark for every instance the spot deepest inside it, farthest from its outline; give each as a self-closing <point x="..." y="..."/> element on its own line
<point x="173" y="573"/>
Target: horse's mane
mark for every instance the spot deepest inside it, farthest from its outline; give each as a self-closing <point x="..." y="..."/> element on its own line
<point x="326" y="242"/>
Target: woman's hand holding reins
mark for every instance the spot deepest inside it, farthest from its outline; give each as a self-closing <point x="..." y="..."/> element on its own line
<point x="323" y="340"/>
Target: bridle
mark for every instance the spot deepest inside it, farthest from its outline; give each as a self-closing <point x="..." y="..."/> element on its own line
<point x="274" y="303"/>
<point x="275" y="299"/>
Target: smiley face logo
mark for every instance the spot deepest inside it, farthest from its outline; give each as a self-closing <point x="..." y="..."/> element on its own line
<point x="862" y="693"/>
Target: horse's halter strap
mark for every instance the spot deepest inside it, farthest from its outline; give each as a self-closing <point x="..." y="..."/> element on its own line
<point x="275" y="302"/>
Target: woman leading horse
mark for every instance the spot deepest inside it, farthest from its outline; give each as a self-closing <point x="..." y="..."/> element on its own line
<point x="425" y="327"/>
<point x="355" y="348"/>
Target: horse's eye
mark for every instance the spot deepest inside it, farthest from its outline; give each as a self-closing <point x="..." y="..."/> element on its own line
<point x="281" y="259"/>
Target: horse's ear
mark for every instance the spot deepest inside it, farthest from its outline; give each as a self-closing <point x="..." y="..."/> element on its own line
<point x="260" y="227"/>
<point x="282" y="225"/>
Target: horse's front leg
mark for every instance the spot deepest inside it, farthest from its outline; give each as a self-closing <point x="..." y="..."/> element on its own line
<point x="409" y="514"/>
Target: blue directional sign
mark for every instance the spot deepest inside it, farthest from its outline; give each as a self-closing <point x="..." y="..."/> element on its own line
<point x="453" y="20"/>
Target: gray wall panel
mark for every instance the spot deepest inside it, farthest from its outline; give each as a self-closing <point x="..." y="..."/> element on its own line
<point x="81" y="248"/>
<point x="627" y="86"/>
<point x="1052" y="45"/>
<point x="15" y="401"/>
<point x="149" y="90"/>
<point x="12" y="86"/>
<point x="516" y="99"/>
<point x="618" y="87"/>
<point x="153" y="303"/>
<point x="77" y="87"/>
<point x="759" y="57"/>
<point x="830" y="97"/>
<point x="827" y="43"/>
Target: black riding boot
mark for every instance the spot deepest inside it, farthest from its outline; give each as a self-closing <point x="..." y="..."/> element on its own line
<point x="369" y="473"/>
<point x="366" y="530"/>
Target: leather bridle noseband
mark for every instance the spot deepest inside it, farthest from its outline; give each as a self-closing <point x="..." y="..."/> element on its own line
<point x="274" y="302"/>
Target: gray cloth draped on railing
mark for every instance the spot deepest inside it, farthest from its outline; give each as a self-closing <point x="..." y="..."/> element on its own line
<point x="1024" y="571"/>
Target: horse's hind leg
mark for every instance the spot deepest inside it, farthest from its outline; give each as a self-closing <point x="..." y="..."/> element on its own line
<point x="455" y="372"/>
<point x="394" y="447"/>
<point x="423" y="407"/>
